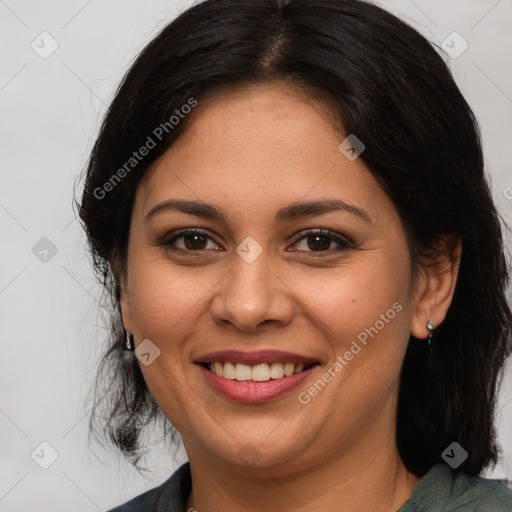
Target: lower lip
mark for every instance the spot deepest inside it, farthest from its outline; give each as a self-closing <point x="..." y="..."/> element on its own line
<point x="254" y="392"/>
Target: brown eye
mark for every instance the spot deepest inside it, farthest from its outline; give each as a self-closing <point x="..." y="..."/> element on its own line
<point x="191" y="241"/>
<point x="322" y="241"/>
<point x="195" y="241"/>
<point x="318" y="242"/>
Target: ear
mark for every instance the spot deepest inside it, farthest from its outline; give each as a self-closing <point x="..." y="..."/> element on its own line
<point x="124" y="298"/>
<point x="435" y="286"/>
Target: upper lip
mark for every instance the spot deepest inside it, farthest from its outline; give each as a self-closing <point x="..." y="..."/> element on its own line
<point x="254" y="358"/>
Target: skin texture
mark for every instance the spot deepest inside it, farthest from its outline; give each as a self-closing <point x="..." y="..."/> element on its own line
<point x="252" y="152"/>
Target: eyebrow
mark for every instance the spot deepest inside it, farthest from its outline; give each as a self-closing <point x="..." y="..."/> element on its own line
<point x="290" y="212"/>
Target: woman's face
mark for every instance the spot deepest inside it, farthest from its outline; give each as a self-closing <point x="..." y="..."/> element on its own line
<point x="259" y="174"/>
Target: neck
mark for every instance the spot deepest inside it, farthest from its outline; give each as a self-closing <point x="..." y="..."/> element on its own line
<point x="370" y="477"/>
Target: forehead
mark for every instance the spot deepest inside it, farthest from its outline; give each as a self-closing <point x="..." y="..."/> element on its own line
<point x="268" y="143"/>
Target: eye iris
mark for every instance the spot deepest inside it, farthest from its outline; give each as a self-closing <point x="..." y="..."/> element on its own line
<point x="195" y="241"/>
<point x="318" y="242"/>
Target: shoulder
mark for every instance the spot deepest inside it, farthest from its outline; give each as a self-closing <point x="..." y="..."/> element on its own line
<point x="443" y="489"/>
<point x="481" y="494"/>
<point x="168" y="496"/>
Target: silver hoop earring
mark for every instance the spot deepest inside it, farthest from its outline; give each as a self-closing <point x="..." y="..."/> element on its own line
<point x="430" y="327"/>
<point x="128" y="342"/>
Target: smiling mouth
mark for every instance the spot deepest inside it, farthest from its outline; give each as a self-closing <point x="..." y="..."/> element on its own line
<point x="256" y="373"/>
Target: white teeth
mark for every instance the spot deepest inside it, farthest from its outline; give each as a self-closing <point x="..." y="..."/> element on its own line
<point x="228" y="372"/>
<point x="242" y="372"/>
<point x="276" y="371"/>
<point x="298" y="368"/>
<point x="288" y="369"/>
<point x="261" y="372"/>
<point x="258" y="373"/>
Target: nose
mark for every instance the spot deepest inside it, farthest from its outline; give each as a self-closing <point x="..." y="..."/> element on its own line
<point x="252" y="295"/>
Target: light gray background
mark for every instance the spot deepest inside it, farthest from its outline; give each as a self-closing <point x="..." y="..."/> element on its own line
<point x="51" y="330"/>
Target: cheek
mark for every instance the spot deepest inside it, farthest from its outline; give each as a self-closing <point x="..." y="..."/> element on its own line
<point x="165" y="299"/>
<point x="363" y="313"/>
<point x="353" y="298"/>
<point x="165" y="304"/>
<point x="362" y="310"/>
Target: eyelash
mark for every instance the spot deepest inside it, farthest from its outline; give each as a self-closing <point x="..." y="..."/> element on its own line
<point x="343" y="242"/>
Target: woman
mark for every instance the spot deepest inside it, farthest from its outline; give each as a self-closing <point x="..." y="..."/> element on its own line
<point x="287" y="202"/>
